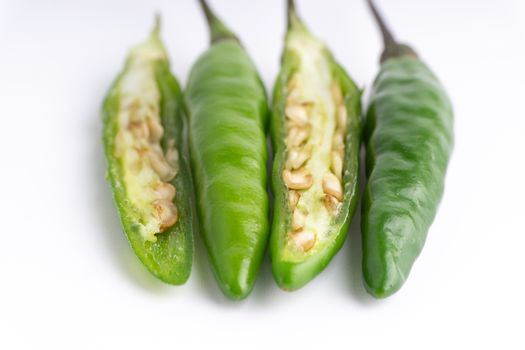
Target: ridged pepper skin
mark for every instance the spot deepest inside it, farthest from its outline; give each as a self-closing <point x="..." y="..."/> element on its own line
<point x="228" y="114"/>
<point x="293" y="272"/>
<point x="409" y="140"/>
<point x="169" y="258"/>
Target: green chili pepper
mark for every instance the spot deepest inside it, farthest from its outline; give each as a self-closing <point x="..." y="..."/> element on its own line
<point x="409" y="139"/>
<point x="228" y="113"/>
<point x="147" y="163"/>
<point x="316" y="130"/>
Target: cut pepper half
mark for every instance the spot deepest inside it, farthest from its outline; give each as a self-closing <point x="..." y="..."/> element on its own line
<point x="316" y="135"/>
<point x="143" y="138"/>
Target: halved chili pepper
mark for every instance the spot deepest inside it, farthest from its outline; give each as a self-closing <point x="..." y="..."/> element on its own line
<point x="316" y="131"/>
<point x="147" y="163"/>
<point x="228" y="113"/>
<point x="409" y="139"/>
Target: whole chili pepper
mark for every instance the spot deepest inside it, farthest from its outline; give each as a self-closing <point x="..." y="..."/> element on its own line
<point x="228" y="113"/>
<point x="409" y="139"/>
<point x="316" y="131"/>
<point x="147" y="163"/>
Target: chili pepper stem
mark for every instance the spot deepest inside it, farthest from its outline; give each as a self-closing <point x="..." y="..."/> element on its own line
<point x="291" y="11"/>
<point x="392" y="48"/>
<point x="157" y="26"/>
<point x="388" y="38"/>
<point x="294" y="21"/>
<point x="218" y="30"/>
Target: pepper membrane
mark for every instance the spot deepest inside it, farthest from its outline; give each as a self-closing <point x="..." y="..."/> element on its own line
<point x="146" y="158"/>
<point x="316" y="136"/>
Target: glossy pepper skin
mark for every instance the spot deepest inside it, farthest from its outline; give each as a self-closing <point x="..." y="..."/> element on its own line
<point x="228" y="115"/>
<point x="293" y="273"/>
<point x="170" y="257"/>
<point x="409" y="139"/>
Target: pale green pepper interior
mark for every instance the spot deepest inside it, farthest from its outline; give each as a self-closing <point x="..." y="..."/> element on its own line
<point x="313" y="81"/>
<point x="137" y="143"/>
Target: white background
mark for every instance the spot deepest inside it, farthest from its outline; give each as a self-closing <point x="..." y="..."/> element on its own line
<point x="68" y="279"/>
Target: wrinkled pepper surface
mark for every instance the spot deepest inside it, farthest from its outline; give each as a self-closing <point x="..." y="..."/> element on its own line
<point x="409" y="138"/>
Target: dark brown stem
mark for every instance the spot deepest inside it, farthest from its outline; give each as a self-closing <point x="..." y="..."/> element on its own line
<point x="207" y="11"/>
<point x="391" y="47"/>
<point x="388" y="38"/>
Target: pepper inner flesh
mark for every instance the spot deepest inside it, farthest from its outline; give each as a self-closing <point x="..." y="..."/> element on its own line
<point x="147" y="169"/>
<point x="315" y="122"/>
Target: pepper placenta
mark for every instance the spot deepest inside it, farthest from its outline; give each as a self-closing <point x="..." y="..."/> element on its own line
<point x="409" y="139"/>
<point x="228" y="114"/>
<point x="147" y="163"/>
<point x="316" y="129"/>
